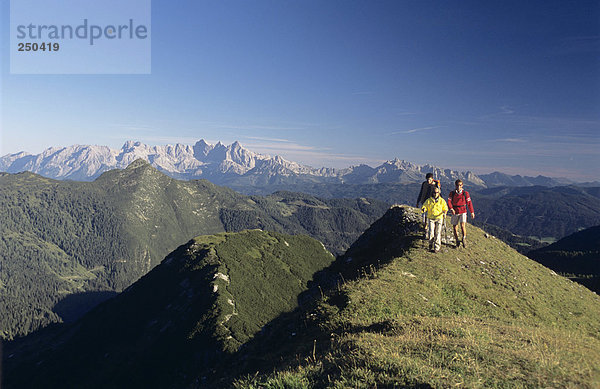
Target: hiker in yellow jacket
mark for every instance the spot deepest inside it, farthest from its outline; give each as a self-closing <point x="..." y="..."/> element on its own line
<point x="436" y="209"/>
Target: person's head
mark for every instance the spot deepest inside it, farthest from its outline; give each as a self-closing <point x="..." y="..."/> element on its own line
<point x="429" y="177"/>
<point x="458" y="184"/>
<point x="436" y="192"/>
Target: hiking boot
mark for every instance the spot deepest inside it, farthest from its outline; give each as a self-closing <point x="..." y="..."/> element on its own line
<point x="457" y="245"/>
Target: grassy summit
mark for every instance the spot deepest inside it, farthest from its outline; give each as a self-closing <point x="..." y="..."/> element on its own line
<point x="484" y="316"/>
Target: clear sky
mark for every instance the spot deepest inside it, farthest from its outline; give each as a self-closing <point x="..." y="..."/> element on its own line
<point x="512" y="86"/>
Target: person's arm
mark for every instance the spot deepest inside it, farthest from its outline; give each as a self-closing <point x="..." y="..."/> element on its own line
<point x="427" y="205"/>
<point x="420" y="199"/>
<point x="470" y="205"/>
<point x="450" y="204"/>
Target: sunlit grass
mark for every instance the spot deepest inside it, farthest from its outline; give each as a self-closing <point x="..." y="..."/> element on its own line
<point x="480" y="317"/>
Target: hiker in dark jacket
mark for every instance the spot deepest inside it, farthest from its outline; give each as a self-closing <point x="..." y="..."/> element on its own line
<point x="458" y="202"/>
<point x="426" y="189"/>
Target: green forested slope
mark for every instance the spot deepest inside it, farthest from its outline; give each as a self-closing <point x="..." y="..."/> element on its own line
<point x="66" y="245"/>
<point x="202" y="303"/>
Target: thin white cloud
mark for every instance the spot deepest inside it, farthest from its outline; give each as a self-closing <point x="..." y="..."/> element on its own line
<point x="284" y="146"/>
<point x="509" y="140"/>
<point x="258" y="127"/>
<point x="413" y="130"/>
<point x="307" y="155"/>
<point x="267" y="125"/>
<point x="466" y="123"/>
<point x="134" y="127"/>
<point x="502" y="112"/>
<point x="267" y="139"/>
<point x="324" y="159"/>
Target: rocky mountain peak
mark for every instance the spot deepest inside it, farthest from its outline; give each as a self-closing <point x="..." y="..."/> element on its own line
<point x="201" y="149"/>
<point x="130" y="145"/>
<point x="235" y="165"/>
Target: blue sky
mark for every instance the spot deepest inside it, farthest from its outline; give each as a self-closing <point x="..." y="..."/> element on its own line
<point x="511" y="86"/>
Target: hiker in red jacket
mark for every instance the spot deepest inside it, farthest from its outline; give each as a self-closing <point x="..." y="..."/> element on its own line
<point x="458" y="201"/>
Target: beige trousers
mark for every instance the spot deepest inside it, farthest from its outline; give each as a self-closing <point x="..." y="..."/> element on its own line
<point x="434" y="233"/>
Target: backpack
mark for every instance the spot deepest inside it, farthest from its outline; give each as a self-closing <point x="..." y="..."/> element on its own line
<point x="464" y="193"/>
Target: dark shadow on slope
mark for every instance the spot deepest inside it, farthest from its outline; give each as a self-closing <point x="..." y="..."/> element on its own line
<point x="387" y="238"/>
<point x="295" y="337"/>
<point x="76" y="305"/>
<point x="592" y="282"/>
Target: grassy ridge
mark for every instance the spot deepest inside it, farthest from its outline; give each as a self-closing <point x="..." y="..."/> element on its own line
<point x="202" y="303"/>
<point x="260" y="275"/>
<point x="484" y="316"/>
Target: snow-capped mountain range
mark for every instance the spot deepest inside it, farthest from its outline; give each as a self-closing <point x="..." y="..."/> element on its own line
<point x="222" y="165"/>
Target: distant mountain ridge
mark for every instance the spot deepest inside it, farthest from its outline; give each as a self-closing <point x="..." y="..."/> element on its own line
<point x="234" y="165"/>
<point x="500" y="179"/>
